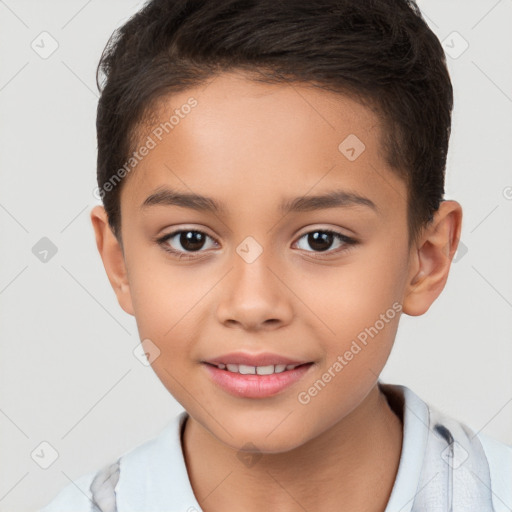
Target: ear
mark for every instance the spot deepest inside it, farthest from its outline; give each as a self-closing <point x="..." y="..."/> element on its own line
<point x="431" y="258"/>
<point x="112" y="255"/>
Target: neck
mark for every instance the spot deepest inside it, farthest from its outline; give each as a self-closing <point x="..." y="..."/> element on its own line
<point x="360" y="452"/>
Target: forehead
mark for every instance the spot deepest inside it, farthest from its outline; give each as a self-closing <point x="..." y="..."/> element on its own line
<point x="276" y="140"/>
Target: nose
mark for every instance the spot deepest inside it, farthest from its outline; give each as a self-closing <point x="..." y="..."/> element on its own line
<point x="254" y="296"/>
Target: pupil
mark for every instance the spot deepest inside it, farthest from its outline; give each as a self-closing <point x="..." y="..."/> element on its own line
<point x="191" y="240"/>
<point x="320" y="240"/>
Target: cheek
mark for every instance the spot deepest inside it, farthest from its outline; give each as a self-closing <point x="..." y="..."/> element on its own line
<point x="164" y="297"/>
<point x="349" y="298"/>
<point x="356" y="309"/>
<point x="164" y="301"/>
<point x="169" y="305"/>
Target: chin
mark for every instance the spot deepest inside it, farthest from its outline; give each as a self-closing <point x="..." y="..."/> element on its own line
<point x="255" y="446"/>
<point x="259" y="439"/>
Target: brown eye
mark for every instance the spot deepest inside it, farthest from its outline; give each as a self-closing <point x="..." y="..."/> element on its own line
<point x="321" y="240"/>
<point x="185" y="241"/>
<point x="192" y="240"/>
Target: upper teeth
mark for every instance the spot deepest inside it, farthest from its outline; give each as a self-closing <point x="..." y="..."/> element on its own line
<point x="260" y="370"/>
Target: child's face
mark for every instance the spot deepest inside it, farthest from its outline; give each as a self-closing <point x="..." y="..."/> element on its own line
<point x="250" y="147"/>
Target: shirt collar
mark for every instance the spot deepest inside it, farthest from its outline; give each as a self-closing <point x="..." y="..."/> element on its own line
<point x="415" y="418"/>
<point x="153" y="476"/>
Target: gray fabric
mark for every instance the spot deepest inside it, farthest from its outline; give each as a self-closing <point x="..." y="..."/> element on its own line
<point x="103" y="489"/>
<point x="455" y="476"/>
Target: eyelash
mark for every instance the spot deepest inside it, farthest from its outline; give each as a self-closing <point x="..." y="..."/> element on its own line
<point x="348" y="242"/>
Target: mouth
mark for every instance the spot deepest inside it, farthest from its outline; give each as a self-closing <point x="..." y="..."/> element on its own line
<point x="245" y="369"/>
<point x="256" y="381"/>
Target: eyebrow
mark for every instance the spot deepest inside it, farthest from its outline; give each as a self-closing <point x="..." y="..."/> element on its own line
<point x="332" y="199"/>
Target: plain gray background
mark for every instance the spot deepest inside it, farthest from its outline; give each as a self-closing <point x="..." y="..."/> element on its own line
<point x="68" y="374"/>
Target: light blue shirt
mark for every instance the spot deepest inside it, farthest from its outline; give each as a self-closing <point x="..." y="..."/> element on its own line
<point x="167" y="487"/>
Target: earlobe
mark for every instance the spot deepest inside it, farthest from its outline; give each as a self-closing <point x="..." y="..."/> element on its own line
<point x="431" y="261"/>
<point x="112" y="256"/>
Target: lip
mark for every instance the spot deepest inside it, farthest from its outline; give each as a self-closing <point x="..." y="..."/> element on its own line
<point x="253" y="385"/>
<point x="263" y="359"/>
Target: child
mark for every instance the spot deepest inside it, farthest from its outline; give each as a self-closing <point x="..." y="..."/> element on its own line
<point x="234" y="139"/>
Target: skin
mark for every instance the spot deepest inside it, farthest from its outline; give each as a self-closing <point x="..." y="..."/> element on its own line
<point x="248" y="146"/>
